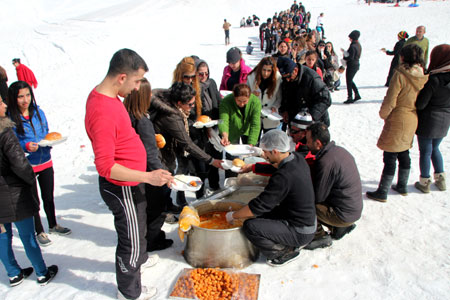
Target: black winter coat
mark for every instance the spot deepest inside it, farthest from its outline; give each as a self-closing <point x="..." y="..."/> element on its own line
<point x="18" y="200"/>
<point x="289" y="195"/>
<point x="168" y="121"/>
<point x="433" y="107"/>
<point x="306" y="91"/>
<point x="354" y="54"/>
<point x="337" y="182"/>
<point x="144" y="128"/>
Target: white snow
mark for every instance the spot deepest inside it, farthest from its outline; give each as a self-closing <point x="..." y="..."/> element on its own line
<point x="399" y="250"/>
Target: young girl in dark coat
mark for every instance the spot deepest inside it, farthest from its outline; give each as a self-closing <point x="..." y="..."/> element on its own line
<point x="18" y="205"/>
<point x="137" y="104"/>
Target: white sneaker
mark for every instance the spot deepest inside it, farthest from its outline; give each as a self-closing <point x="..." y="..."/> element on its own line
<point x="147" y="293"/>
<point x="151" y="261"/>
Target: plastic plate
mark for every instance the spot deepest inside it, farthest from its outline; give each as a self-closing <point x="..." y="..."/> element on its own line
<point x="46" y="143"/>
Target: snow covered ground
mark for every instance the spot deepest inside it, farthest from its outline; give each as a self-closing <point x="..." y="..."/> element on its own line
<point x="399" y="250"/>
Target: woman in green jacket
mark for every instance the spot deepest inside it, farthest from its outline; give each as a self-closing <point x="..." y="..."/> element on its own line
<point x="241" y="116"/>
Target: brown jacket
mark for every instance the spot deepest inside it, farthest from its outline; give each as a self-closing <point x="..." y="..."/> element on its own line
<point x="398" y="109"/>
<point x="226" y="26"/>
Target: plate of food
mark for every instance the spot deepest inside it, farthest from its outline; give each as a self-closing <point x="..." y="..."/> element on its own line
<point x="235" y="165"/>
<point x="52" y="139"/>
<point x="225" y="93"/>
<point x="205" y="121"/>
<point x="186" y="183"/>
<point x="267" y="112"/>
<point x="237" y="150"/>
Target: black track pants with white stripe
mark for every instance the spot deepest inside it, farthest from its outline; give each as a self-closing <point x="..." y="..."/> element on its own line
<point x="128" y="205"/>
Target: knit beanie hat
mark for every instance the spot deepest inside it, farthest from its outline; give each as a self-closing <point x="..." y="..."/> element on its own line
<point x="354" y="35"/>
<point x="233" y="55"/>
<point x="439" y="57"/>
<point x="403" y="35"/>
<point x="285" y="65"/>
<point x="302" y="120"/>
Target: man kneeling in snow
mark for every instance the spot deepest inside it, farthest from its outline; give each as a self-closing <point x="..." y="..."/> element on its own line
<point x="337" y="187"/>
<point x="285" y="214"/>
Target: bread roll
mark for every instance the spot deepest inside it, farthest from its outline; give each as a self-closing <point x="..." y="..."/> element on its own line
<point x="53" y="136"/>
<point x="204" y="119"/>
<point x="160" y="140"/>
<point x="238" y="163"/>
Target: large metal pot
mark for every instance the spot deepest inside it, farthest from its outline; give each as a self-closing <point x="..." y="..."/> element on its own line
<point x="224" y="248"/>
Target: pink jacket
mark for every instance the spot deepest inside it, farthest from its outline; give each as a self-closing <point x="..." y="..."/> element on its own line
<point x="245" y="70"/>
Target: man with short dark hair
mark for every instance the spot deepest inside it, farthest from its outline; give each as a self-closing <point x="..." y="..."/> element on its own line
<point x="24" y="73"/>
<point x="302" y="88"/>
<point x="121" y="161"/>
<point x="337" y="187"/>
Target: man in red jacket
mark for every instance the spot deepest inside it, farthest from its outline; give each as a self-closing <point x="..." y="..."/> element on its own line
<point x="24" y="73"/>
<point x="121" y="161"/>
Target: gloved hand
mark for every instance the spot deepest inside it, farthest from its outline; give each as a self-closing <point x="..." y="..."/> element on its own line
<point x="229" y="217"/>
<point x="257" y="151"/>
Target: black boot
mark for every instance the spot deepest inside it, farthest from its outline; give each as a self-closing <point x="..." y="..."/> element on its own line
<point x="319" y="242"/>
<point x="381" y="193"/>
<point x="338" y="233"/>
<point x="349" y="101"/>
<point x="357" y="97"/>
<point x="402" y="182"/>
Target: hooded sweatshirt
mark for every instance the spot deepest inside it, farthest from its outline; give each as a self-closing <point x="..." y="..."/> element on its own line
<point x="398" y="109"/>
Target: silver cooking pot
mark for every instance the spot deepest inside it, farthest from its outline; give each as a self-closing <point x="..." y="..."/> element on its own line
<point x="223" y="248"/>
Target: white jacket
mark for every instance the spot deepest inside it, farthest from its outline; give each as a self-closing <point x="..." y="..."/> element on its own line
<point x="266" y="101"/>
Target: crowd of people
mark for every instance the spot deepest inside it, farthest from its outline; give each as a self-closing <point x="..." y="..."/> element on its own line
<point x="314" y="192"/>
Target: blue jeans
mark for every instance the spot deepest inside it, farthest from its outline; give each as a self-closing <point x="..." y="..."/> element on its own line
<point x="429" y="149"/>
<point x="28" y="237"/>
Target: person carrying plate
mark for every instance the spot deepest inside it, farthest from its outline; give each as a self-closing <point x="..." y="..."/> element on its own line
<point x="170" y="110"/>
<point x="32" y="127"/>
<point x="241" y="115"/>
<point x="265" y="81"/>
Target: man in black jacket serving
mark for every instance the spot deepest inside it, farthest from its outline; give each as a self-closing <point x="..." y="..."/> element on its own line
<point x="285" y="212"/>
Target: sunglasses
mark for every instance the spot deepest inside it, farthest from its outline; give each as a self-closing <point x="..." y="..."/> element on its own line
<point x="287" y="75"/>
<point x="189" y="77"/>
<point x="203" y="74"/>
<point x="295" y="131"/>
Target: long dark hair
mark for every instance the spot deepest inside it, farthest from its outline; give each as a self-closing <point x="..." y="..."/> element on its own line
<point x="137" y="103"/>
<point x="13" y="109"/>
<point x="180" y="91"/>
<point x="412" y="55"/>
<point x="266" y="61"/>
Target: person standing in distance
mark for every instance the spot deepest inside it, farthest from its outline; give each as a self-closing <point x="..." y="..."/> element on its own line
<point x="120" y="159"/>
<point x="226" y="27"/>
<point x="420" y="40"/>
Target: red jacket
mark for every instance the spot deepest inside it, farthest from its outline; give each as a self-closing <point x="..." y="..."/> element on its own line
<point x="245" y="70"/>
<point x="25" y="74"/>
<point x="113" y="139"/>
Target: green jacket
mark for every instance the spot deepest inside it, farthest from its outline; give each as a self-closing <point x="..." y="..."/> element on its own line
<point x="423" y="43"/>
<point x="236" y="125"/>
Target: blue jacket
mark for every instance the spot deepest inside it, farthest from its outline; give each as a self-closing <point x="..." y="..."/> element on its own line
<point x="42" y="155"/>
